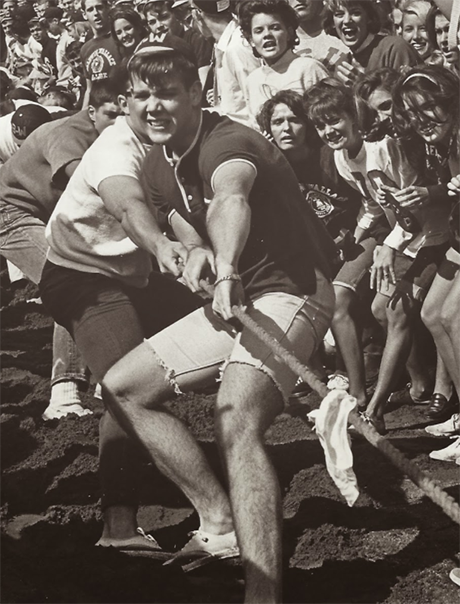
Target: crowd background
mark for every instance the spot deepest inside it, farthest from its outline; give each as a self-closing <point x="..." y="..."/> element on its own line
<point x="361" y="97"/>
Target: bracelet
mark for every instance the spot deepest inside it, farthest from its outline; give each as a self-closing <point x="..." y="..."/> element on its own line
<point x="232" y="277"/>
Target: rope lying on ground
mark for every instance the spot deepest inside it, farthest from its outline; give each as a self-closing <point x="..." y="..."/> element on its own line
<point x="420" y="478"/>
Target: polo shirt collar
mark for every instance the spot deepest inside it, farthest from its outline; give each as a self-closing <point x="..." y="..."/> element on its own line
<point x="174" y="160"/>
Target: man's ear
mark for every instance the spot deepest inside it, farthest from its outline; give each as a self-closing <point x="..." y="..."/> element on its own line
<point x="123" y="103"/>
<point x="196" y="91"/>
<point x="92" y="113"/>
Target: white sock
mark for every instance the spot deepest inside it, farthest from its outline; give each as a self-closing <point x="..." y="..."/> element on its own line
<point x="65" y="399"/>
<point x="65" y="393"/>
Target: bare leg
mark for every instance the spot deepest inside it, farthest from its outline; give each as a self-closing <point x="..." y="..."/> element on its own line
<point x="415" y="365"/>
<point x="395" y="354"/>
<point x="431" y="316"/>
<point x="348" y="340"/>
<point x="450" y="319"/>
<point x="443" y="382"/>
<point x="247" y="404"/>
<point x="134" y="388"/>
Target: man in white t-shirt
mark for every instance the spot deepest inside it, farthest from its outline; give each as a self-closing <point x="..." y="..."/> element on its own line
<point x="98" y="283"/>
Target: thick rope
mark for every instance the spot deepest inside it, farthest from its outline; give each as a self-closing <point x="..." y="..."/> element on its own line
<point x="420" y="478"/>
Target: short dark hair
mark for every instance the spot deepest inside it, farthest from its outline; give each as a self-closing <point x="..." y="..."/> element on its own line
<point x="270" y="7"/>
<point x="156" y="66"/>
<point x="83" y="3"/>
<point x="294" y="101"/>
<point x="73" y="49"/>
<point x="369" y="6"/>
<point x="384" y="78"/>
<point x="103" y="91"/>
<point x="327" y="99"/>
<point x="20" y="28"/>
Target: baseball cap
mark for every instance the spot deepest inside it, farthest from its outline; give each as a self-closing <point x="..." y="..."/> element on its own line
<point x="28" y="118"/>
<point x="179" y="3"/>
<point x="212" y="7"/>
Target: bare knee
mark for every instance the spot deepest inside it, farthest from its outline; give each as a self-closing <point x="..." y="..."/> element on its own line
<point x="137" y="379"/>
<point x="245" y="409"/>
<point x="116" y="385"/>
<point x="446" y="318"/>
<point x="398" y="316"/>
<point x="379" y="309"/>
<point x="431" y="317"/>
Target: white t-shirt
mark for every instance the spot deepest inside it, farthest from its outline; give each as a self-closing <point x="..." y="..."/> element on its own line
<point x="325" y="48"/>
<point x="290" y="72"/>
<point x="82" y="234"/>
<point x="384" y="162"/>
<point x="234" y="61"/>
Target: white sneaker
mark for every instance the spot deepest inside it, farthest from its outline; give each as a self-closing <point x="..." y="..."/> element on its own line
<point x="454" y="576"/>
<point x="448" y="428"/>
<point x="449" y="453"/>
<point x="338" y="381"/>
<point x="204" y="547"/>
<point x="57" y="412"/>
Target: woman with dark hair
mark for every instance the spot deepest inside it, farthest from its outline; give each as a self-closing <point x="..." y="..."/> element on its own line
<point x="426" y="108"/>
<point x="374" y="103"/>
<point x="270" y="27"/>
<point x="127" y="29"/>
<point x="357" y="24"/>
<point x="284" y="120"/>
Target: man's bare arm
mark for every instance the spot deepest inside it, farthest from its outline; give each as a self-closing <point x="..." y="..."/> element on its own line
<point x="199" y="268"/>
<point x="124" y="199"/>
<point x="228" y="224"/>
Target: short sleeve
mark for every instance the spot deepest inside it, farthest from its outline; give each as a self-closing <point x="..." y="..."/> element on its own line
<point x="228" y="146"/>
<point x="59" y="156"/>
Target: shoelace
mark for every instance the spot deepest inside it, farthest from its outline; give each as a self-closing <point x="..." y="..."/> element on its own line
<point x="145" y="535"/>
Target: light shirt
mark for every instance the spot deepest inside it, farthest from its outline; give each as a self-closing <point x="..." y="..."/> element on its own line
<point x="234" y="61"/>
<point x="325" y="48"/>
<point x="290" y="72"/>
<point x="384" y="162"/>
<point x="82" y="234"/>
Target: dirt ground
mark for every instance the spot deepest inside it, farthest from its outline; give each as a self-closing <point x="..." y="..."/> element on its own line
<point x="394" y="546"/>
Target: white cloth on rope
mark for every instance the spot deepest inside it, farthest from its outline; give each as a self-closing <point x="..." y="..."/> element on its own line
<point x="331" y="427"/>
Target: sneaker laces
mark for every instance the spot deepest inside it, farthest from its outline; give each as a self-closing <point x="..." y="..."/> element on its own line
<point x="146" y="535"/>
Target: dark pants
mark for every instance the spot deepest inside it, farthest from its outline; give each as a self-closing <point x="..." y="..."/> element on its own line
<point x="107" y="319"/>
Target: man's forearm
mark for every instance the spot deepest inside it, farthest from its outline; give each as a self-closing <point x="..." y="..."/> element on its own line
<point x="142" y="227"/>
<point x="228" y="223"/>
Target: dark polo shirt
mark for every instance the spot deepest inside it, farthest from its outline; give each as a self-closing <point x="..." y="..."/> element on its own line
<point x="286" y="240"/>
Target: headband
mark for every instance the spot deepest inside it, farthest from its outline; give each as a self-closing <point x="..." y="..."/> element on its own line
<point x="420" y="75"/>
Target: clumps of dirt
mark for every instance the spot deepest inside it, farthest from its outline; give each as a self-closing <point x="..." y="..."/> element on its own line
<point x="394" y="546"/>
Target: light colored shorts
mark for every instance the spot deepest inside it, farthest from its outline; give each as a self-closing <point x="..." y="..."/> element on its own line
<point x="196" y="350"/>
